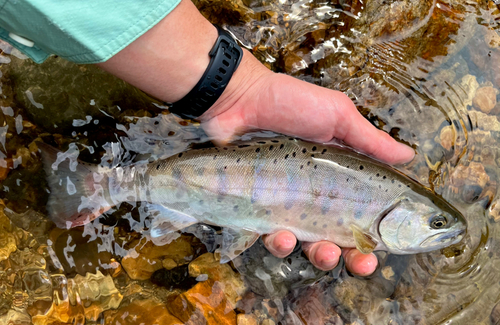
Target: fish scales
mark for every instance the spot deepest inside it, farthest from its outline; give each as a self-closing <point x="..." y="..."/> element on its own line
<point x="317" y="192"/>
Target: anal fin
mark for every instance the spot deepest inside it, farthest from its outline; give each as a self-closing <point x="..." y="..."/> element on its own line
<point x="166" y="223"/>
<point x="365" y="242"/>
<point x="235" y="242"/>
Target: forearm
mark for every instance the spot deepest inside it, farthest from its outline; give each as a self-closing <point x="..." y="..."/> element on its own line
<point x="169" y="59"/>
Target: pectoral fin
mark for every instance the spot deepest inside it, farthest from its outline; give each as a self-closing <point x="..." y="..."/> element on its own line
<point x="365" y="242"/>
<point x="235" y="242"/>
<point x="166" y="223"/>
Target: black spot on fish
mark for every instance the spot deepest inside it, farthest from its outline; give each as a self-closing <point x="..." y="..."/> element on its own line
<point x="322" y="152"/>
<point x="314" y="148"/>
<point x="281" y="146"/>
<point x="386" y="190"/>
<point x="340" y="222"/>
<point x="201" y="202"/>
<point x="347" y="180"/>
<point x="378" y="175"/>
<point x="304" y="150"/>
<point x="370" y="178"/>
<point x="275" y="141"/>
<point x="286" y="156"/>
<point x="294" y="154"/>
<point x="408" y="185"/>
<point x="347" y="166"/>
<point x="257" y="150"/>
<point x="361" y="167"/>
<point x="261" y="142"/>
<point x="271" y="147"/>
<point x="315" y="166"/>
<point x="315" y="223"/>
<point x="399" y="185"/>
<point x="380" y="186"/>
<point x="325" y="225"/>
<point x="235" y="208"/>
<point x="303" y="216"/>
<point x="301" y="166"/>
<point x="238" y="160"/>
<point x="275" y="161"/>
<point x="180" y="155"/>
<point x="308" y="163"/>
<point x="215" y="157"/>
<point x="392" y="181"/>
<point x="243" y="145"/>
<point x="286" y="220"/>
<point x="268" y="212"/>
<point x="384" y="177"/>
<point x="312" y="155"/>
<point x="225" y="167"/>
<point x="225" y="148"/>
<point x="157" y="167"/>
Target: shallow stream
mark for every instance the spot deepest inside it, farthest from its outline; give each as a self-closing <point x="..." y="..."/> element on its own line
<point x="427" y="72"/>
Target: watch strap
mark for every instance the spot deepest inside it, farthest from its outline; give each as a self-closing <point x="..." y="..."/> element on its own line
<point x="225" y="56"/>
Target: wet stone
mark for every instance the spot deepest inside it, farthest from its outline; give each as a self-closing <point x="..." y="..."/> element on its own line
<point x="176" y="278"/>
<point x="485" y="99"/>
<point x="141" y="312"/>
<point x="205" y="303"/>
<point x="234" y="287"/>
<point x="78" y="253"/>
<point x="246" y="319"/>
<point x="147" y="258"/>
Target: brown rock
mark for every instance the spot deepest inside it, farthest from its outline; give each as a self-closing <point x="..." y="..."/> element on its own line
<point x="447" y="137"/>
<point x="485" y="99"/>
<point x="147" y="311"/>
<point x="147" y="258"/>
<point x="485" y="121"/>
<point x="234" y="287"/>
<point x="246" y="319"/>
<point x="205" y="303"/>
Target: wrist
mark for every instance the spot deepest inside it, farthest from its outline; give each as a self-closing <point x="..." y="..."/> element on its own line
<point x="245" y="83"/>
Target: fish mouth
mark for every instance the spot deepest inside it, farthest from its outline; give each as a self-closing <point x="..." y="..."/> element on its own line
<point x="444" y="239"/>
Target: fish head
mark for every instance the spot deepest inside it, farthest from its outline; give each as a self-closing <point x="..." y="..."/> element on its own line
<point x="418" y="223"/>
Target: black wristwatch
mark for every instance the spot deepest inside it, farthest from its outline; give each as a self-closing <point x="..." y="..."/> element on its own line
<point x="225" y="57"/>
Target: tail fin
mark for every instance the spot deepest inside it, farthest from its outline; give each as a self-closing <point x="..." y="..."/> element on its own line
<point x="75" y="198"/>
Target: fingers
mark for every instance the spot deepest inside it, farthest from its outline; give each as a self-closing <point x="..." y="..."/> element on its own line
<point x="359" y="263"/>
<point x="281" y="243"/>
<point x="323" y="254"/>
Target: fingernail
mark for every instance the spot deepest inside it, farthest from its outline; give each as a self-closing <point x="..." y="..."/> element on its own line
<point x="285" y="244"/>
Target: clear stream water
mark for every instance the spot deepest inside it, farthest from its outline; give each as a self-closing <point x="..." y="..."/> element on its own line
<point x="427" y="72"/>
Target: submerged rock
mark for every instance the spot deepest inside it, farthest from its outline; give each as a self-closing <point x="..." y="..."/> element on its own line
<point x="205" y="303"/>
<point x="141" y="312"/>
<point x="232" y="282"/>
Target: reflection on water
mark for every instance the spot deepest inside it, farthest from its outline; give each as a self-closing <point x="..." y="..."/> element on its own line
<point x="425" y="71"/>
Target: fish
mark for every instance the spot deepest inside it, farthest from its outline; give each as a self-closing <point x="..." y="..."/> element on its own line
<point x="317" y="192"/>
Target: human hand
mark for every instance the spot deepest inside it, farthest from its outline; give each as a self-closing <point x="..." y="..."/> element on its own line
<point x="257" y="98"/>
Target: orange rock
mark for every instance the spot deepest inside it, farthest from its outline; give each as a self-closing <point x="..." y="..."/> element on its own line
<point x="485" y="99"/>
<point x="205" y="303"/>
<point x="233" y="284"/>
<point x="147" y="311"/>
<point x="147" y="258"/>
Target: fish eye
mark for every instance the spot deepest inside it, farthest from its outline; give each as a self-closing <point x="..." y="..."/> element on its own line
<point x="438" y="222"/>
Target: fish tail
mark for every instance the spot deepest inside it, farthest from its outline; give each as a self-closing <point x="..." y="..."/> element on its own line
<point x="75" y="198"/>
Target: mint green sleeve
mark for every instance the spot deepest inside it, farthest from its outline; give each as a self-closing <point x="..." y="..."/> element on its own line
<point x="82" y="31"/>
